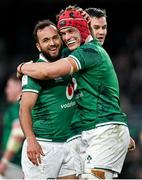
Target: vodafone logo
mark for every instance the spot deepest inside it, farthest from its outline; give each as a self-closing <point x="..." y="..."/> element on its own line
<point x="70" y="89"/>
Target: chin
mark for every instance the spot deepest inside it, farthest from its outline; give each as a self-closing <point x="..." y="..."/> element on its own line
<point x="53" y="55"/>
<point x="101" y="42"/>
<point x="71" y="48"/>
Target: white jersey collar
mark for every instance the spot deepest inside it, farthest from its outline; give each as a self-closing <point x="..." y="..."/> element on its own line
<point x="88" y="39"/>
<point x="42" y="57"/>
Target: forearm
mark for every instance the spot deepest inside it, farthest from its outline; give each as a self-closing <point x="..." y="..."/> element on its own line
<point x="7" y="156"/>
<point x="34" y="70"/>
<point x="26" y="122"/>
<point x="14" y="142"/>
<point x="45" y="70"/>
<point x="34" y="149"/>
<point x="13" y="145"/>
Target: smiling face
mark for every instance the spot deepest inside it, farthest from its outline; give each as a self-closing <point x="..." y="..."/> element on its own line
<point x="71" y="37"/>
<point x="49" y="42"/>
<point x="99" y="28"/>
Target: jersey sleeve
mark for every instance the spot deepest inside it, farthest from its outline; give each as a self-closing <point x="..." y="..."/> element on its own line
<point x="86" y="57"/>
<point x="30" y="85"/>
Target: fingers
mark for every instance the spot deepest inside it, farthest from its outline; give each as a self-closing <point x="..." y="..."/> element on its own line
<point x="34" y="151"/>
<point x="19" y="75"/>
<point x="41" y="152"/>
<point x="34" y="158"/>
<point x="132" y="145"/>
<point x="85" y="15"/>
<point x="38" y="159"/>
<point x="39" y="155"/>
<point x="131" y="148"/>
<point x="80" y="10"/>
<point x="29" y="62"/>
<point x="31" y="156"/>
<point x="34" y="155"/>
<point x="19" y="69"/>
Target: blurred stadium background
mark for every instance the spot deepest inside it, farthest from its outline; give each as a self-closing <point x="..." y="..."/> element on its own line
<point x="123" y="43"/>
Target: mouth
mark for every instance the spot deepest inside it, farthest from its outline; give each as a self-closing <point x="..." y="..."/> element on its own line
<point x="70" y="42"/>
<point x="100" y="38"/>
<point x="53" y="50"/>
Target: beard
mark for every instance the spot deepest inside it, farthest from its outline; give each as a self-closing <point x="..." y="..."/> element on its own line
<point x="52" y="58"/>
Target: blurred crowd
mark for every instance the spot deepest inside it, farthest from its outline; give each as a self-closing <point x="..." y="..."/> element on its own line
<point x="128" y="64"/>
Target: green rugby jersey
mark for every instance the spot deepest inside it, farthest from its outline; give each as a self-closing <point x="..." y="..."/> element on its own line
<point x="11" y="115"/>
<point x="97" y="83"/>
<point x="76" y="124"/>
<point x="55" y="106"/>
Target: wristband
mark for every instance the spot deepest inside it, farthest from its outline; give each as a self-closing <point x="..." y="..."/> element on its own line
<point x="71" y="70"/>
<point x="21" y="67"/>
<point x="71" y="67"/>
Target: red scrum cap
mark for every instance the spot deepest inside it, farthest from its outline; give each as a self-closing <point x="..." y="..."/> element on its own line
<point x="73" y="18"/>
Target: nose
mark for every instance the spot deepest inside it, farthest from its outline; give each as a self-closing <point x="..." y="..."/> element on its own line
<point x="52" y="42"/>
<point x="67" y="36"/>
<point x="101" y="31"/>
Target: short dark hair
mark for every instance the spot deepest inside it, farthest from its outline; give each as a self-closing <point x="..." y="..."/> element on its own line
<point x="41" y="25"/>
<point x="96" y="12"/>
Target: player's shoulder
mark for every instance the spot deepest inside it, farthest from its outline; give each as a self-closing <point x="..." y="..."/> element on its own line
<point x="91" y="45"/>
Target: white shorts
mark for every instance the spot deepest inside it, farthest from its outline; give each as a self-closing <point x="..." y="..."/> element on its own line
<point x="59" y="160"/>
<point x="80" y="148"/>
<point x="105" y="147"/>
<point x="75" y="143"/>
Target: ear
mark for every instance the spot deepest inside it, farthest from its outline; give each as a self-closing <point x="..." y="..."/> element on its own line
<point x="38" y="46"/>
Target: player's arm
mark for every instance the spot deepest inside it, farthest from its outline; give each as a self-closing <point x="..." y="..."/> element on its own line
<point x="13" y="146"/>
<point x="34" y="150"/>
<point x="44" y="70"/>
